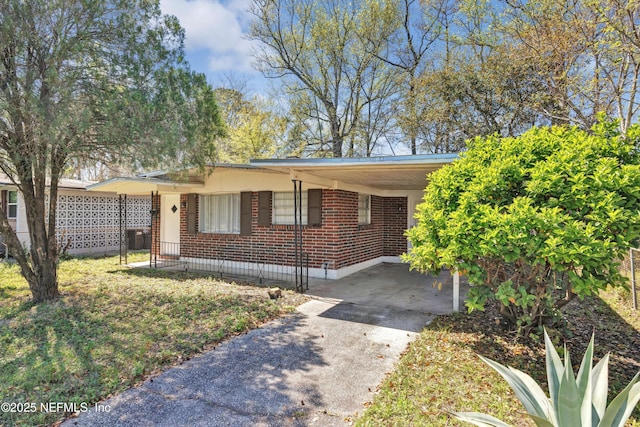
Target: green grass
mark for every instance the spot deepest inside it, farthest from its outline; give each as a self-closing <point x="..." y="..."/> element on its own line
<point x="113" y="327"/>
<point x="440" y="371"/>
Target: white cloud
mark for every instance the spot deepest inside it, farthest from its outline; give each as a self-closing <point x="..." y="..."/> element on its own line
<point x="225" y="62"/>
<point x="215" y="28"/>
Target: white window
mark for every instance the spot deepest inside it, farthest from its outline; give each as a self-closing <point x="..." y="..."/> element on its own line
<point x="220" y="213"/>
<point x="283" y="212"/>
<point x="364" y="209"/>
<point x="12" y="204"/>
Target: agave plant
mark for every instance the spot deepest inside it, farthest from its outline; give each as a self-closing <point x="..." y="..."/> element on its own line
<point x="574" y="401"/>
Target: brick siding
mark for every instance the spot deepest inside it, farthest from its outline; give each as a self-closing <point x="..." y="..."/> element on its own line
<point x="339" y="241"/>
<point x="395" y="224"/>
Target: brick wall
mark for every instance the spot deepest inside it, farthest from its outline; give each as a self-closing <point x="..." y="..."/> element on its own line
<point x="340" y="241"/>
<point x="395" y="224"/>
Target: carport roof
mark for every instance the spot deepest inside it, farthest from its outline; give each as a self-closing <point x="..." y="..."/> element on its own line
<point x="380" y="173"/>
<point x="384" y="173"/>
<point x="141" y="185"/>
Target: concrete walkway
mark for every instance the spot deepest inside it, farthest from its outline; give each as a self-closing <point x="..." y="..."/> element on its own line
<point x="317" y="366"/>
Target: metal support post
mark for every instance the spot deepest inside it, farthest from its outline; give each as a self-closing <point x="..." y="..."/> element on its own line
<point x="456" y="291"/>
<point x="633" y="278"/>
<point x="297" y="234"/>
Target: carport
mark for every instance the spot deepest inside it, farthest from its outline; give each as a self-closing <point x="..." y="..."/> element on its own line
<point x="379" y="294"/>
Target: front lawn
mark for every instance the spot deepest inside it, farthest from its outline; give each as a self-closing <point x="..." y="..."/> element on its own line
<point x="113" y="327"/>
<point x="440" y="371"/>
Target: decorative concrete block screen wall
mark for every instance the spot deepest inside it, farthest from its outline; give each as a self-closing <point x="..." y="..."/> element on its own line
<point x="338" y="241"/>
<point x="91" y="224"/>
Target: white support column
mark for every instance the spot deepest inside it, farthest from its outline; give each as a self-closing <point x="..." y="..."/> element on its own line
<point x="633" y="278"/>
<point x="456" y="291"/>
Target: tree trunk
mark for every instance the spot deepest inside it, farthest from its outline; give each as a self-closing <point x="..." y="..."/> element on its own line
<point x="336" y="135"/>
<point x="39" y="266"/>
<point x="412" y="111"/>
<point x="337" y="147"/>
<point x="39" y="271"/>
<point x="44" y="286"/>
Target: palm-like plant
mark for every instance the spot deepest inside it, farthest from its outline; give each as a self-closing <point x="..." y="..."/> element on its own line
<point x="574" y="401"/>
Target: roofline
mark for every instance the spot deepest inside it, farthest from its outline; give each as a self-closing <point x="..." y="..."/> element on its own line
<point x="155" y="181"/>
<point x="80" y="185"/>
<point x="165" y="172"/>
<point x="419" y="159"/>
<point x="256" y="164"/>
<point x="234" y="165"/>
<point x="152" y="174"/>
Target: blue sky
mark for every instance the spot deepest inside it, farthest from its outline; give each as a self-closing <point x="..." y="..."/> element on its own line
<point x="216" y="43"/>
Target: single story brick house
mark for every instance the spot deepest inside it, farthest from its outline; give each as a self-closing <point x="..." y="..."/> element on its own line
<point x="343" y="214"/>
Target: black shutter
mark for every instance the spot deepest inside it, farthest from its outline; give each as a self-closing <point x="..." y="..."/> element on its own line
<point x="245" y="213"/>
<point x="314" y="213"/>
<point x="191" y="213"/>
<point x="264" y="208"/>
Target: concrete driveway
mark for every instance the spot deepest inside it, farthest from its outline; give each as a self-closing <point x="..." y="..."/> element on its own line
<point x="391" y="286"/>
<point x="317" y="366"/>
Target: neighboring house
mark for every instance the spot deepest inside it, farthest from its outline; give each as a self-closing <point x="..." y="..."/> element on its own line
<point x="9" y="204"/>
<point x="354" y="212"/>
<point x="86" y="223"/>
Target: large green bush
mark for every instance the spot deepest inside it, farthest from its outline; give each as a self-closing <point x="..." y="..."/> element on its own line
<point x="533" y="220"/>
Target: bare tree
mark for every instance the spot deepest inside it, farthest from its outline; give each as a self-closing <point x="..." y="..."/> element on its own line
<point x="617" y="56"/>
<point x="418" y="28"/>
<point x="583" y="54"/>
<point x="317" y="46"/>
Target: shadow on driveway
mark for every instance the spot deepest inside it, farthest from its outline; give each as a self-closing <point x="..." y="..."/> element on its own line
<point x="244" y="381"/>
<point x="387" y="317"/>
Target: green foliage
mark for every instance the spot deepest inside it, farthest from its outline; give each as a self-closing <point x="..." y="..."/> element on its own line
<point x="534" y="219"/>
<point x="112" y="79"/>
<point x="574" y="400"/>
<point x="253" y="130"/>
<point x="92" y="81"/>
<point x="458" y="69"/>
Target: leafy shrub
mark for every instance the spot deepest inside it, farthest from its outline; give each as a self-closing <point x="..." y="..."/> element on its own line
<point x="533" y="220"/>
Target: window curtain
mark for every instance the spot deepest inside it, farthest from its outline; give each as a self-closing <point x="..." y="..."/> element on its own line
<point x="220" y="213"/>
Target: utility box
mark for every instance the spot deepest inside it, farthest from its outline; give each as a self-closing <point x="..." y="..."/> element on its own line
<point x="136" y="239"/>
<point x="147" y="240"/>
